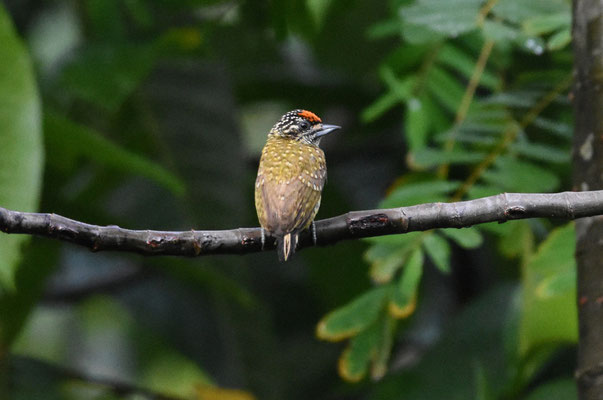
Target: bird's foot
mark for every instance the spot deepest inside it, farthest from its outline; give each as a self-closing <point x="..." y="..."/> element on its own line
<point x="263" y="237"/>
<point x="314" y="233"/>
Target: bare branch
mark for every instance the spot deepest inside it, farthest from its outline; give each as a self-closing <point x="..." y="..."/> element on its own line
<point x="353" y="225"/>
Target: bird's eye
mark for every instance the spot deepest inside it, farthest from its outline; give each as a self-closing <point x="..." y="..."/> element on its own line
<point x="304" y="125"/>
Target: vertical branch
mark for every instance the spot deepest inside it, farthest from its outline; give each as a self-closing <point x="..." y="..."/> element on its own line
<point x="588" y="175"/>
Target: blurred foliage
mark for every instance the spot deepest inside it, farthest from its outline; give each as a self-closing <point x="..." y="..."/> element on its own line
<point x="20" y="141"/>
<point x="153" y="114"/>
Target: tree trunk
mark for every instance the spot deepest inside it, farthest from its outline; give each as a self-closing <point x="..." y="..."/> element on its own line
<point x="588" y="175"/>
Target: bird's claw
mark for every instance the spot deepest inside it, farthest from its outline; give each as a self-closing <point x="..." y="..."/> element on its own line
<point x="263" y="237"/>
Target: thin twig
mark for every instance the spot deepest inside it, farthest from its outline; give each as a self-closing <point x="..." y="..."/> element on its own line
<point x="484" y="11"/>
<point x="353" y="225"/>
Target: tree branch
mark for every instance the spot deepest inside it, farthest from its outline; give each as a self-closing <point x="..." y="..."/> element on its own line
<point x="353" y="225"/>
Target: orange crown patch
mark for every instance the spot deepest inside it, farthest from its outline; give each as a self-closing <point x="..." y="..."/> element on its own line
<point x="309" y="115"/>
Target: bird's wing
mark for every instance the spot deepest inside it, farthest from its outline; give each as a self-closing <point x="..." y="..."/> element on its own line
<point x="291" y="198"/>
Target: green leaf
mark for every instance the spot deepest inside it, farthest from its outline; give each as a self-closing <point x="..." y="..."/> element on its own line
<point x="500" y="32"/>
<point x="467" y="238"/>
<point x="519" y="98"/>
<point x="544" y="80"/>
<point x="399" y="92"/>
<point x="517" y="238"/>
<point x="450" y="18"/>
<point x="562" y="389"/>
<point x="464" y="63"/>
<point x="416" y="124"/>
<point x="463" y="136"/>
<point x="438" y="250"/>
<point x="541" y="152"/>
<point x="487" y="117"/>
<point x="159" y="367"/>
<point x="388" y="255"/>
<point x="404" y="296"/>
<point x="559" y="40"/>
<point x="354" y="317"/>
<point x="471" y="130"/>
<point x="420" y="34"/>
<point x="445" y="88"/>
<point x="438" y="117"/>
<point x="373" y="344"/>
<point x="21" y="162"/>
<point x="408" y="58"/>
<point x="385" y="29"/>
<point x="69" y="140"/>
<point x="482" y="386"/>
<point x="557" y="284"/>
<point x="485" y="120"/>
<point x="514" y="175"/>
<point x="383" y="269"/>
<point x="379" y="107"/>
<point x="39" y="261"/>
<point x="552" y="318"/>
<point x="431" y="157"/>
<point x="384" y="348"/>
<point x="418" y="192"/>
<point x="517" y="11"/>
<point x="548" y="23"/>
<point x="555" y="127"/>
<point x="354" y="361"/>
<point x="319" y="10"/>
<point x="402" y="88"/>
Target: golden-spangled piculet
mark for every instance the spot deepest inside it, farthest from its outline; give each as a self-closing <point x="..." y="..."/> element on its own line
<point x="291" y="176"/>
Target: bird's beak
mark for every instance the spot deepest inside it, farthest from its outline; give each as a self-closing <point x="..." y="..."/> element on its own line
<point x="325" y="129"/>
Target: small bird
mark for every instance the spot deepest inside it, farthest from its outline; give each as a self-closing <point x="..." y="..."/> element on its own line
<point x="291" y="176"/>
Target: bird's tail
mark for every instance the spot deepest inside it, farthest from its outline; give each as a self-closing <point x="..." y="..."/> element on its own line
<point x="286" y="245"/>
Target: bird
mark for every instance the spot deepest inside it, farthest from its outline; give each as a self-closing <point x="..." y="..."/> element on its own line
<point x="291" y="175"/>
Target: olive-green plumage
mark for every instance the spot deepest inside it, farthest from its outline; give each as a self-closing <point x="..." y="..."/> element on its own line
<point x="290" y="178"/>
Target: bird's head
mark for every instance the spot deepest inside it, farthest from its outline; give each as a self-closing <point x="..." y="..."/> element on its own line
<point x="302" y="125"/>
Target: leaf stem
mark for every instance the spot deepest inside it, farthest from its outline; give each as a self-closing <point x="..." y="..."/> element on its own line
<point x="509" y="137"/>
<point x="463" y="109"/>
<point x="484" y="11"/>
